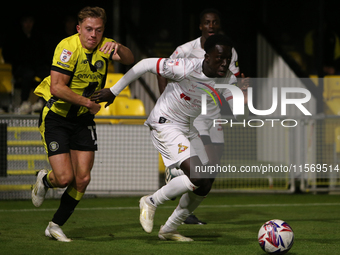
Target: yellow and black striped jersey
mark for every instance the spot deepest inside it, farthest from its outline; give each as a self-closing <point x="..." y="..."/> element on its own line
<point x="87" y="69"/>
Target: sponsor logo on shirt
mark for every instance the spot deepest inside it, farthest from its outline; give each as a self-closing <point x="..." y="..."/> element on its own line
<point x="185" y="97"/>
<point x="95" y="76"/>
<point x="63" y="65"/>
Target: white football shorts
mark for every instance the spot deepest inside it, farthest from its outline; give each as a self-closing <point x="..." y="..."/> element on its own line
<point x="204" y="125"/>
<point x="177" y="144"/>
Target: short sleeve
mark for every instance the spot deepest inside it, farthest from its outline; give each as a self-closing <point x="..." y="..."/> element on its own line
<point x="176" y="69"/>
<point x="65" y="58"/>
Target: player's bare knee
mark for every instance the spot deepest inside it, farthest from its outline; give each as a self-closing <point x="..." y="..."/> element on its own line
<point x="83" y="181"/>
<point x="204" y="189"/>
<point x="63" y="182"/>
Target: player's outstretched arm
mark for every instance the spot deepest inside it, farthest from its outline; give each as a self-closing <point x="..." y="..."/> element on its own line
<point x="108" y="95"/>
<point x="142" y="67"/>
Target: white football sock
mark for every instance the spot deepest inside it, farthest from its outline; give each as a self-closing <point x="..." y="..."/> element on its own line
<point x="187" y="204"/>
<point x="176" y="172"/>
<point x="174" y="188"/>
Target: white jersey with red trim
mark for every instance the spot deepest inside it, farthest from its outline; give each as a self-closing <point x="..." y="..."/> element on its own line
<point x="193" y="49"/>
<point x="181" y="99"/>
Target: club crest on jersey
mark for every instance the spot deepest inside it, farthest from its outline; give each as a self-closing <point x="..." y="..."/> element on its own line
<point x="65" y="55"/>
<point x="181" y="148"/>
<point x="99" y="64"/>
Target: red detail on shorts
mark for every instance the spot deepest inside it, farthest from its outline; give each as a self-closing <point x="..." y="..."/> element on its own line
<point x="229" y="98"/>
<point x="185" y="97"/>
<point x="157" y="66"/>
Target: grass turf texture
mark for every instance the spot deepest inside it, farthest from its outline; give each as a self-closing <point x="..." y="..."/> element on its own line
<point x="111" y="226"/>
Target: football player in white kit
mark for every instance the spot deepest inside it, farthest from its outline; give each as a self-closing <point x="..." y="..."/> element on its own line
<point x="169" y="123"/>
<point x="212" y="137"/>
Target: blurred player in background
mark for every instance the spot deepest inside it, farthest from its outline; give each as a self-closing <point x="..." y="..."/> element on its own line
<point x="212" y="137"/>
<point x="66" y="123"/>
<point x="171" y="132"/>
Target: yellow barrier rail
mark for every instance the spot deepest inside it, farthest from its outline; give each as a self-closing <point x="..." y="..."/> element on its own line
<point x="21" y="172"/>
<point x="27" y="157"/>
<point x="25" y="143"/>
<point x="15" y="187"/>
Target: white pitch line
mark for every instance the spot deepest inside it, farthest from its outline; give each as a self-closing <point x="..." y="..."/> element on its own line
<point x="274" y="205"/>
<point x="171" y="207"/>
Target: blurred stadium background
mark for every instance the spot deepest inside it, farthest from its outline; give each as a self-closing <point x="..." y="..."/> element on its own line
<point x="270" y="41"/>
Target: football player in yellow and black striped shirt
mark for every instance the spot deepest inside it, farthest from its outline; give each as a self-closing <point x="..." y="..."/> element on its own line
<point x="79" y="68"/>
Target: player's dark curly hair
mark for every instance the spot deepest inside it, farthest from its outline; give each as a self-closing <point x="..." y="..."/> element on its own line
<point x="217" y="39"/>
<point x="210" y="10"/>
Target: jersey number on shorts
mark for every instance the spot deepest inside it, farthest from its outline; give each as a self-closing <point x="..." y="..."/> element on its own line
<point x="92" y="128"/>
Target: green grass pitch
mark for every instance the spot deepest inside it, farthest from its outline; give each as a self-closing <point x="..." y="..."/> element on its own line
<point x="111" y="226"/>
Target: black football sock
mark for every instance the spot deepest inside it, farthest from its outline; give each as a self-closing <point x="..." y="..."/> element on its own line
<point x="47" y="182"/>
<point x="68" y="202"/>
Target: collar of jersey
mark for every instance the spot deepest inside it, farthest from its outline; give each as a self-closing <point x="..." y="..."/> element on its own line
<point x="88" y="51"/>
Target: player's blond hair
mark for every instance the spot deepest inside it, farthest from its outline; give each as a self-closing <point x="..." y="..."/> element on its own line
<point x="91" y="12"/>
